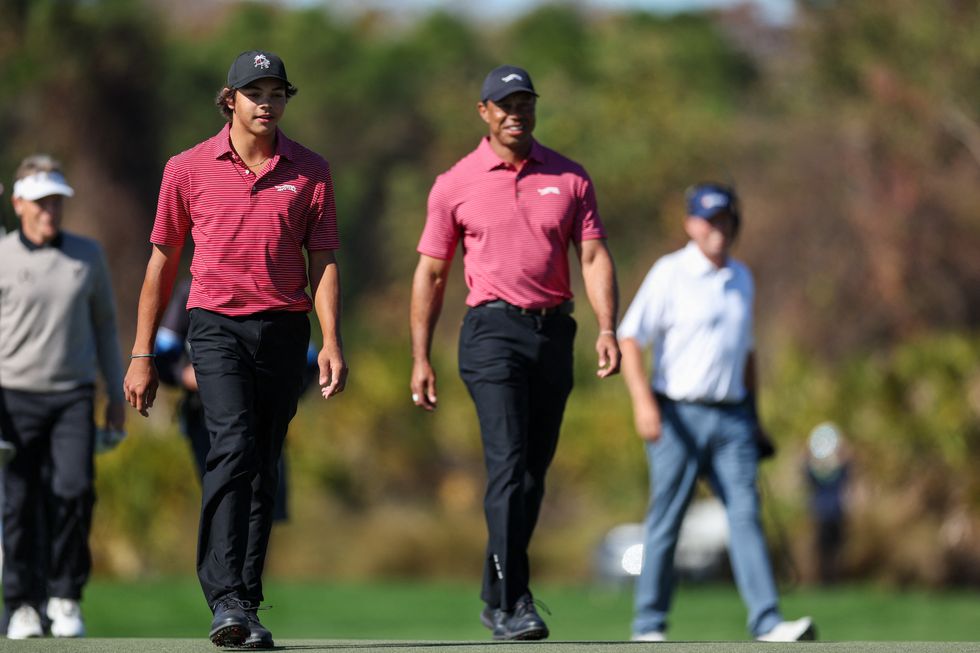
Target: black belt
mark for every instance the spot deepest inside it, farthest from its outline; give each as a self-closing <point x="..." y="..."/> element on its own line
<point x="701" y="402"/>
<point x="565" y="308"/>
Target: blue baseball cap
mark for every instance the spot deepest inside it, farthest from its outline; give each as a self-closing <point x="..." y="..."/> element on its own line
<point x="504" y="80"/>
<point x="708" y="200"/>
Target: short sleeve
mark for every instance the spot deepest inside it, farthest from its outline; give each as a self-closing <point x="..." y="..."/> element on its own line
<point x="588" y="224"/>
<point x="645" y="318"/>
<point x="173" y="219"/>
<point x="441" y="232"/>
<point x="321" y="229"/>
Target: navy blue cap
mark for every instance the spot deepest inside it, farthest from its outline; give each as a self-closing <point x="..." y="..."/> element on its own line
<point x="708" y="200"/>
<point x="255" y="64"/>
<point x="504" y="80"/>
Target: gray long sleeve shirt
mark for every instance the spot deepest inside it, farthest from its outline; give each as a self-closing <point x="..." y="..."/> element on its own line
<point x="57" y="316"/>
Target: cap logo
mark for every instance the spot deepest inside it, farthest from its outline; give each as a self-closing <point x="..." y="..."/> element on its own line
<point x="713" y="200"/>
<point x="262" y="61"/>
<point x="511" y="77"/>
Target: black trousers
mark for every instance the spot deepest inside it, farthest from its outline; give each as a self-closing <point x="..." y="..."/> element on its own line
<point x="194" y="427"/>
<point x="518" y="370"/>
<point x="48" y="494"/>
<point x="249" y="373"/>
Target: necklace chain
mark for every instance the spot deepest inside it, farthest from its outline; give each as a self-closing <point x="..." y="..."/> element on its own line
<point x="256" y="165"/>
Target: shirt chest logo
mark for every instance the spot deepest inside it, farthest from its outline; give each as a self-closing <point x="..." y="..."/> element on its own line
<point x="549" y="190"/>
<point x="284" y="187"/>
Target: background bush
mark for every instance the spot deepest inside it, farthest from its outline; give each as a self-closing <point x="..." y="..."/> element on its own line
<point x="851" y="134"/>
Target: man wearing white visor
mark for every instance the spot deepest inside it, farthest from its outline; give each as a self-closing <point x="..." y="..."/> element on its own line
<point x="57" y="327"/>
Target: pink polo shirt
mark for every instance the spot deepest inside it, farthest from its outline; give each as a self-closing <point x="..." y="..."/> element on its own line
<point x="516" y="225"/>
<point x="249" y="230"/>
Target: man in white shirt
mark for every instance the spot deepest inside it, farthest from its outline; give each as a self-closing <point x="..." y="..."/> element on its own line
<point x="696" y="411"/>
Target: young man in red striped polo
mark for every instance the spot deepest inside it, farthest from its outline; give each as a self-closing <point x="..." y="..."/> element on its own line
<point x="516" y="206"/>
<point x="252" y="200"/>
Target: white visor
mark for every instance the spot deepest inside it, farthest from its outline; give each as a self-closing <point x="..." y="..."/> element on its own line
<point x="41" y="184"/>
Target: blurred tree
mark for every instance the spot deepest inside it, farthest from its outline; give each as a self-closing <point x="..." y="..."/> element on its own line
<point x="853" y="137"/>
<point x="80" y="97"/>
<point x="883" y="176"/>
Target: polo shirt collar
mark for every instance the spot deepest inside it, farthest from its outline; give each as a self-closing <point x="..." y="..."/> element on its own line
<point x="56" y="242"/>
<point x="490" y="161"/>
<point x="697" y="263"/>
<point x="285" y="147"/>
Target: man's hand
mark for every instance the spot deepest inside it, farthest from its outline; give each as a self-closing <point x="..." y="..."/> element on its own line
<point x="428" y="288"/>
<point x="188" y="378"/>
<point x="115" y="416"/>
<point x="333" y="371"/>
<point x="609" y="356"/>
<point x="140" y="385"/>
<point x="646" y="417"/>
<point x="424" y="385"/>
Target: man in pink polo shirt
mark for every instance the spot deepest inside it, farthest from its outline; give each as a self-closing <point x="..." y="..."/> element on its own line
<point x="516" y="206"/>
<point x="252" y="200"/>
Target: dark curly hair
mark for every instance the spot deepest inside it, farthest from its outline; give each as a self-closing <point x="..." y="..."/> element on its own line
<point x="226" y="93"/>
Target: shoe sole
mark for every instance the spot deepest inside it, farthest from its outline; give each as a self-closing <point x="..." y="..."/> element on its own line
<point x="232" y="635"/>
<point x="525" y="636"/>
<point x="259" y="643"/>
<point x="808" y="635"/>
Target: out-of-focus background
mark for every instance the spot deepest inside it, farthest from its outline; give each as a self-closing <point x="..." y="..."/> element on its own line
<point x="851" y="129"/>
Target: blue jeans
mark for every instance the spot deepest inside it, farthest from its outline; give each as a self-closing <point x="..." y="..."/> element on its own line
<point x="716" y="441"/>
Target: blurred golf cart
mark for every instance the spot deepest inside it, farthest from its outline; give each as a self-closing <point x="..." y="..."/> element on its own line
<point x="701" y="554"/>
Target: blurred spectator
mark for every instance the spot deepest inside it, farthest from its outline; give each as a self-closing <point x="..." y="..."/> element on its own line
<point x="827" y="472"/>
<point x="696" y="411"/>
<point x="57" y="329"/>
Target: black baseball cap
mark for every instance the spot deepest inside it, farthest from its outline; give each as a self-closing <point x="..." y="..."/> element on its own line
<point x="255" y="64"/>
<point x="504" y="80"/>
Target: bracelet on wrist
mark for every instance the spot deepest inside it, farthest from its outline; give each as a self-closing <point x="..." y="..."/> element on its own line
<point x="131" y="356"/>
<point x="607" y="332"/>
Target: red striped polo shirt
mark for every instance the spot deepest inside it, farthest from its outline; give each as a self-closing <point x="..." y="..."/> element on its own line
<point x="249" y="230"/>
<point x="516" y="225"/>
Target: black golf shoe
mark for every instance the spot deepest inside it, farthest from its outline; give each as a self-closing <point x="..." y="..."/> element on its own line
<point x="522" y="623"/>
<point x="258" y="635"/>
<point x="230" y="627"/>
<point x="490" y="617"/>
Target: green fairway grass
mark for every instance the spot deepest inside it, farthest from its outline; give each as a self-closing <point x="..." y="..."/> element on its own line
<point x="368" y="646"/>
<point x="449" y="612"/>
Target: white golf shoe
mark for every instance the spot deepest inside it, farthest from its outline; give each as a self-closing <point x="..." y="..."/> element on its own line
<point x="24" y="622"/>
<point x="791" y="631"/>
<point x="66" y="618"/>
<point x="649" y="636"/>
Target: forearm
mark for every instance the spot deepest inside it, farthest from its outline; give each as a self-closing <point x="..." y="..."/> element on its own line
<point x="110" y="363"/>
<point x="325" y="282"/>
<point x="634" y="371"/>
<point x="599" y="275"/>
<point x="428" y="290"/>
<point x="154" y="296"/>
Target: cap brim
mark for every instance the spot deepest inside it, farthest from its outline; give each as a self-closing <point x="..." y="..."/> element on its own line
<point x="496" y="97"/>
<point x="35" y="190"/>
<point x="242" y="83"/>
